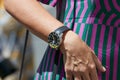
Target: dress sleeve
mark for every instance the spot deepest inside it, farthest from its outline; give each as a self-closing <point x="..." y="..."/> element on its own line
<point x="49" y="2"/>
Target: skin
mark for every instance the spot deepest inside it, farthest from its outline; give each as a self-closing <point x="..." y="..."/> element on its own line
<point x="80" y="61"/>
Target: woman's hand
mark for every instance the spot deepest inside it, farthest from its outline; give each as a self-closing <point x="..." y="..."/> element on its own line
<point x="80" y="61"/>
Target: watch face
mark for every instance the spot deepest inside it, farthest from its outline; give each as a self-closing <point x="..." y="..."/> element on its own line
<point x="54" y="40"/>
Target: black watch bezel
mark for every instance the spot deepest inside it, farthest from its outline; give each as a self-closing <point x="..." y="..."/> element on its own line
<point x="54" y="39"/>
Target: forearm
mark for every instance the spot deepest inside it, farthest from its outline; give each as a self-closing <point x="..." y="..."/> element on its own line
<point x="33" y="15"/>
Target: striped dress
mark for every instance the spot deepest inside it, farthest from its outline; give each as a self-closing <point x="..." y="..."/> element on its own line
<point x="97" y="22"/>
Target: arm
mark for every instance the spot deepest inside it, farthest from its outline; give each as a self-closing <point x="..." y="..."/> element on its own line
<point x="80" y="60"/>
<point x="33" y="15"/>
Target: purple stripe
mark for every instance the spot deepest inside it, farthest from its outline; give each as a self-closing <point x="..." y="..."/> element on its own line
<point x="75" y="27"/>
<point x="48" y="58"/>
<point x="97" y="9"/>
<point x="52" y="61"/>
<point x="116" y="55"/>
<point x="94" y="29"/>
<point x="59" y="60"/>
<point x="116" y="5"/>
<point x="88" y="19"/>
<point x="89" y="15"/>
<point x="102" y="33"/>
<point x="107" y="6"/>
<point x="49" y="75"/>
<point x="84" y="11"/>
<point x="101" y="40"/>
<point x="81" y="29"/>
<point x="53" y="3"/>
<point x="43" y="61"/>
<point x="100" y="46"/>
<point x="45" y="1"/>
<point x="78" y="7"/>
<point x="68" y="25"/>
<point x="110" y="19"/>
<point x="108" y="53"/>
<point x="70" y="10"/>
<point x="101" y="18"/>
<point x="37" y="76"/>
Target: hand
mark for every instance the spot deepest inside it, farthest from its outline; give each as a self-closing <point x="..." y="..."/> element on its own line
<point x="80" y="61"/>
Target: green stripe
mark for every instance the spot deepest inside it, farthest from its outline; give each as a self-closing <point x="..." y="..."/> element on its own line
<point x="89" y="34"/>
<point x="85" y="32"/>
<point x="63" y="79"/>
<point x="97" y="39"/>
<point x="104" y="49"/>
<point x="113" y="10"/>
<point x="50" y="1"/>
<point x="88" y="11"/>
<point x="81" y="10"/>
<point x="57" y="77"/>
<point x="51" y="76"/>
<point x="78" y="28"/>
<point x="103" y="6"/>
<point x="114" y="20"/>
<point x="106" y="18"/>
<point x="118" y="71"/>
<point x="112" y="53"/>
<point x="35" y="76"/>
<point x="65" y="23"/>
<point x="42" y="75"/>
<point x="46" y="75"/>
<point x="67" y="10"/>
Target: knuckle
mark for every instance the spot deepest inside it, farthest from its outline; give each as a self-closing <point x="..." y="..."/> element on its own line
<point x="92" y="66"/>
<point x="67" y="69"/>
<point x="76" y="69"/>
<point x="83" y="69"/>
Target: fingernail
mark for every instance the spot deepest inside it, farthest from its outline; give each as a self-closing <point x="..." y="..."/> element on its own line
<point x="104" y="68"/>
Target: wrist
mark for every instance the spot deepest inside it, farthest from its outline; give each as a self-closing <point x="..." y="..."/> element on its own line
<point x="67" y="39"/>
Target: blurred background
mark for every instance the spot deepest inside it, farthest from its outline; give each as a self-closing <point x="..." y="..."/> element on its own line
<point x="12" y="38"/>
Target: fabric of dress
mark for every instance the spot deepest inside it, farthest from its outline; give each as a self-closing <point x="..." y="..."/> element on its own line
<point x="97" y="22"/>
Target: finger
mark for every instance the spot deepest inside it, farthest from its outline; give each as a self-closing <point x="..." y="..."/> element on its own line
<point x="86" y="76"/>
<point x="93" y="74"/>
<point x="78" y="78"/>
<point x="92" y="70"/>
<point x="98" y="63"/>
<point x="84" y="72"/>
<point x="68" y="76"/>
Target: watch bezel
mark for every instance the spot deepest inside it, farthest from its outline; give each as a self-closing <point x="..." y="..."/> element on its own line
<point x="54" y="39"/>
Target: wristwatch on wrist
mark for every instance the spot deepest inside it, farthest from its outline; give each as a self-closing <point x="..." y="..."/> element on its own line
<point x="55" y="37"/>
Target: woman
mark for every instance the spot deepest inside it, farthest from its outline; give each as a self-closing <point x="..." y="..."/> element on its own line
<point x="96" y="24"/>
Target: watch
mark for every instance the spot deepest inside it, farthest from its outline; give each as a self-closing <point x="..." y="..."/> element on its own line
<point x="55" y="37"/>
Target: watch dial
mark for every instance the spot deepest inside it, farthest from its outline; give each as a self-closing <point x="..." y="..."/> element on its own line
<point x="54" y="40"/>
